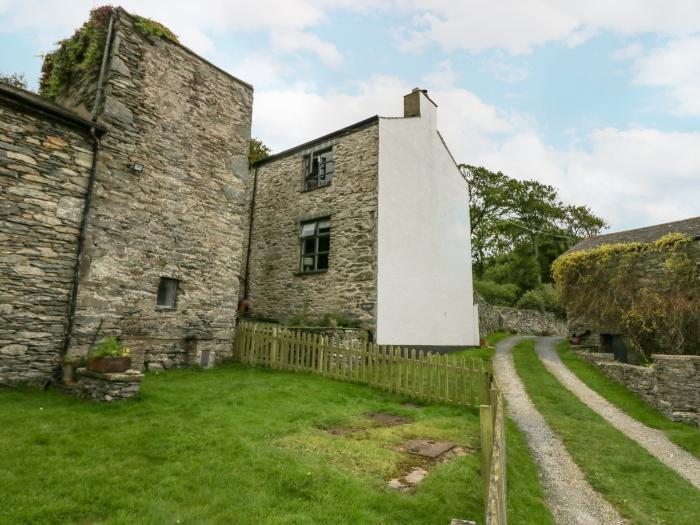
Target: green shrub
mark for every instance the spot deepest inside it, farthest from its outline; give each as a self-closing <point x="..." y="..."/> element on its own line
<point x="544" y="299"/>
<point x="109" y="347"/>
<point x="532" y="300"/>
<point x="338" y="320"/>
<point x="497" y="294"/>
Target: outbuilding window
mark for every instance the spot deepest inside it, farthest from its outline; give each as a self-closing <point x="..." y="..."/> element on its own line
<point x="315" y="240"/>
<point x="319" y="167"/>
<point x="167" y="292"/>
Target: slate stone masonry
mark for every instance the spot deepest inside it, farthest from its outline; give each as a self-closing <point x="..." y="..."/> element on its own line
<point x="188" y="124"/>
<point x="518" y="321"/>
<point x="44" y="168"/>
<point x="182" y="216"/>
<point x="276" y="287"/>
<point x="672" y="384"/>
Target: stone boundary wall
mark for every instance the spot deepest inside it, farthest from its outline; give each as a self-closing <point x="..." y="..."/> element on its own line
<point x="517" y="321"/>
<point x="672" y="384"/>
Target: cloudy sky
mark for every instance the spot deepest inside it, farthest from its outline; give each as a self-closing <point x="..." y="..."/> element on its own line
<point x="599" y="98"/>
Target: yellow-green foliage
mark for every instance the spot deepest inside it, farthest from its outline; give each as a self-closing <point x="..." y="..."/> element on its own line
<point x="613" y="287"/>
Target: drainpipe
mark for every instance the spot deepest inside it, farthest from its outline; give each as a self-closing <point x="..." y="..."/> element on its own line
<point x="246" y="279"/>
<point x="88" y="199"/>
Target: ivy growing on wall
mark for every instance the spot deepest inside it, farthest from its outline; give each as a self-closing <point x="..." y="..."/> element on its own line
<point x="78" y="58"/>
<point x="649" y="292"/>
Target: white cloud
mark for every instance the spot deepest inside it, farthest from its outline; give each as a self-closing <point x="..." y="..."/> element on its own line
<point x="499" y="67"/>
<point x="292" y="41"/>
<point x="517" y="26"/>
<point x="676" y="67"/>
<point x="628" y="52"/>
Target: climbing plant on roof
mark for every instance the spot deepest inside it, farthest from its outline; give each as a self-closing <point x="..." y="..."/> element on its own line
<point x="648" y="291"/>
<point x="78" y="58"/>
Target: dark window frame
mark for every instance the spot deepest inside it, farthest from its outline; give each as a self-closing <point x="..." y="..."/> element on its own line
<point x="318" y="168"/>
<point x="321" y="240"/>
<point x="163" y="301"/>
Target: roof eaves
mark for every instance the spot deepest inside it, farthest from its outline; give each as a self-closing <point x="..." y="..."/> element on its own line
<point x="23" y="99"/>
<point x="335" y="134"/>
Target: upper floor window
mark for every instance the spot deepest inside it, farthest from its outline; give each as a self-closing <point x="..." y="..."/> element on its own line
<point x="315" y="245"/>
<point x="318" y="169"/>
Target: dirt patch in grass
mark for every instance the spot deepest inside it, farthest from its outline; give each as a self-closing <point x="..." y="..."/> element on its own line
<point x="384" y="419"/>
<point x="422" y="456"/>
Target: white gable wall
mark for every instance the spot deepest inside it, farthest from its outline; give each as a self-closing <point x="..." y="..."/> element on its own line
<point x="424" y="281"/>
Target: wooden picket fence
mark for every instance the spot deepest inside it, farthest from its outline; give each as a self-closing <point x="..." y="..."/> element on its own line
<point x="493" y="459"/>
<point x="415" y="374"/>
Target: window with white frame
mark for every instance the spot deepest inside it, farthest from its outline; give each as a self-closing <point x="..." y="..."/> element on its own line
<point x="318" y="169"/>
<point x="315" y="240"/>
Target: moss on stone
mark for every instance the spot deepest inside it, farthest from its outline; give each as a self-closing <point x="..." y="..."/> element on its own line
<point x="148" y="27"/>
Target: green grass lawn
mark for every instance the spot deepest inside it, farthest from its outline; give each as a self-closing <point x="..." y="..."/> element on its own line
<point x="230" y="445"/>
<point x="644" y="490"/>
<point x="683" y="435"/>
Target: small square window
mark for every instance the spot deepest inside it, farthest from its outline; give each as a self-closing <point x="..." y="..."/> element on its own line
<point x="315" y="237"/>
<point x="319" y="167"/>
<point x="167" y="292"/>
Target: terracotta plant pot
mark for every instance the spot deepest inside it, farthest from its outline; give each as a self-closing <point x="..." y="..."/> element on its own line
<point x="575" y="341"/>
<point x="109" y="365"/>
<point x="482" y="342"/>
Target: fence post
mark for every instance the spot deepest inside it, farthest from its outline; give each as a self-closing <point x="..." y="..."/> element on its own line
<point x="486" y="427"/>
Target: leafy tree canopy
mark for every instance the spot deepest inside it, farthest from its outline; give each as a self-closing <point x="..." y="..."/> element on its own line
<point x="519" y="227"/>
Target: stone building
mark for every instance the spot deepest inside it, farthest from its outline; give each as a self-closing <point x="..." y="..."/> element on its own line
<point x="370" y="222"/>
<point x="121" y="208"/>
<point x="606" y="336"/>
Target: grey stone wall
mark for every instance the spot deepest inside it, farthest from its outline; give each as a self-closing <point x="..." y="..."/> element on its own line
<point x="672" y="384"/>
<point x="106" y="387"/>
<point x="276" y="287"/>
<point x="188" y="124"/>
<point x="517" y="321"/>
<point x="44" y="169"/>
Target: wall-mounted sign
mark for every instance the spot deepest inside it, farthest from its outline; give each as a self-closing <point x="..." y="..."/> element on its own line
<point x="367" y="306"/>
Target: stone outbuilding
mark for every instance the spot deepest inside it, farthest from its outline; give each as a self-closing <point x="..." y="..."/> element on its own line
<point x="122" y="208"/>
<point x="370" y="222"/>
<point x="607" y="337"/>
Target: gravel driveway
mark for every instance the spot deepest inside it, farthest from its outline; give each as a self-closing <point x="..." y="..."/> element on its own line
<point x="569" y="496"/>
<point x="654" y="441"/>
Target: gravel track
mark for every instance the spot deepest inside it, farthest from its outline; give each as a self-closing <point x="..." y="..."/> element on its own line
<point x="654" y="441"/>
<point x="570" y="497"/>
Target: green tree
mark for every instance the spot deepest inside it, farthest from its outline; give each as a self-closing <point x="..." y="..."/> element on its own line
<point x="258" y="151"/>
<point x="519" y="227"/>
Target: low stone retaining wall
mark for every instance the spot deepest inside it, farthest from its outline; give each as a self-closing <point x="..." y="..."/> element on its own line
<point x="671" y="384"/>
<point x="517" y="321"/>
<point x="106" y="387"/>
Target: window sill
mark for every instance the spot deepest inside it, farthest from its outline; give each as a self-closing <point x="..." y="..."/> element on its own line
<point x="165" y="308"/>
<point x="312" y="272"/>
<point x="306" y="190"/>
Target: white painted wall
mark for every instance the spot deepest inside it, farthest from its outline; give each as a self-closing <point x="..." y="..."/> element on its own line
<point x="424" y="255"/>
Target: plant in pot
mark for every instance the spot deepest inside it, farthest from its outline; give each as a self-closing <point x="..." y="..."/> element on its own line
<point x="109" y="356"/>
